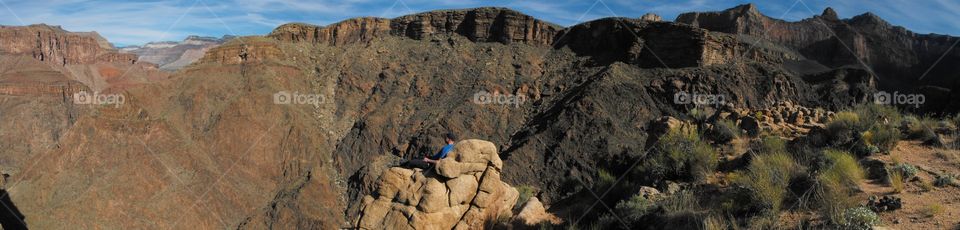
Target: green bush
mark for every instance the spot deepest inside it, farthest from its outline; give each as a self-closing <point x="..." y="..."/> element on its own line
<point x="635" y="207"/>
<point x="768" y="177"/>
<point x="682" y="153"/>
<point x="885" y="137"/>
<point x="843" y="128"/>
<point x="842" y="169"/>
<point x="771" y="145"/>
<point x="906" y="170"/>
<point x="944" y="180"/>
<point x="875" y="114"/>
<point x="834" y="182"/>
<point x="859" y="218"/>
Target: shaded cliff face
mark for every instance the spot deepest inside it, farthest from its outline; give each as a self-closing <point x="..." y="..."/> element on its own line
<point x="211" y="147"/>
<point x="175" y="55"/>
<point x="898" y="56"/>
<point x="478" y="25"/>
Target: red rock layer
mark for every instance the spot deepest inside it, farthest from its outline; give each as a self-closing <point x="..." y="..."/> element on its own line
<point x="55" y="45"/>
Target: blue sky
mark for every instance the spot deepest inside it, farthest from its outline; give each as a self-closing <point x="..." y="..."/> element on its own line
<point x="138" y="22"/>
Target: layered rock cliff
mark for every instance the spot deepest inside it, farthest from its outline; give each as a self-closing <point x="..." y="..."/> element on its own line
<point x="479" y="25"/>
<point x="55" y="45"/>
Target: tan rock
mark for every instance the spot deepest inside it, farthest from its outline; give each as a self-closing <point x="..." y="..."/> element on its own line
<point x="463" y="192"/>
<point x="533" y="213"/>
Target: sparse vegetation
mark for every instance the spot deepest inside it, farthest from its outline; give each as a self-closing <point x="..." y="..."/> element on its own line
<point x="885" y="137"/>
<point x="895" y="179"/>
<point x="768" y="176"/>
<point x="944" y="180"/>
<point x="843" y="169"/>
<point x="834" y="184"/>
<point x="932" y="210"/>
<point x="526" y="192"/>
<point x="859" y="218"/>
<point x="907" y="171"/>
<point x="681" y="153"/>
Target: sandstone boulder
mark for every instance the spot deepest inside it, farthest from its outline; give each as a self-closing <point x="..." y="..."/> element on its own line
<point x="533" y="213"/>
<point x="463" y="191"/>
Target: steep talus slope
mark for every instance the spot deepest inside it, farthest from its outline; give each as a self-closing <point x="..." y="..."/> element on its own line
<point x="898" y="56"/>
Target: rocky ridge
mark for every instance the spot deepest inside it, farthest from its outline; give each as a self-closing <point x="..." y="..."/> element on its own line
<point x="896" y="55"/>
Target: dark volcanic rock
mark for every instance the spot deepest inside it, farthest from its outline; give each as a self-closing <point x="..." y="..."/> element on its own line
<point x="896" y="55"/>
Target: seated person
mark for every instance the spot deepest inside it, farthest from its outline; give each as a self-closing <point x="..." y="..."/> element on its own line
<point x="428" y="162"/>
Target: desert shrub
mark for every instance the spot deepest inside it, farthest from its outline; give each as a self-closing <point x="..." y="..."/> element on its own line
<point x="682" y="201"/>
<point x="908" y="171"/>
<point x="771" y="145"/>
<point x="698" y="115"/>
<point x="682" y="153"/>
<point x="725" y="131"/>
<point x="926" y="185"/>
<point x="932" y="210"/>
<point x="834" y="183"/>
<point x="635" y="207"/>
<point x="843" y="128"/>
<point x="526" y="192"/>
<point x="885" y="137"/>
<point x="768" y="177"/>
<point x="842" y="169"/>
<point x="874" y="114"/>
<point x="605" y="178"/>
<point x="715" y="222"/>
<point x="922" y="129"/>
<point x="895" y="180"/>
<point x="944" y="180"/>
<point x="859" y="218"/>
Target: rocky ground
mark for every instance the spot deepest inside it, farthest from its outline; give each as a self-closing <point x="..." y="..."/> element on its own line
<point x="564" y="114"/>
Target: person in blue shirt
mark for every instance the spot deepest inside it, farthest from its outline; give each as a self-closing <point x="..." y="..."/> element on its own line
<point x="427" y="162"/>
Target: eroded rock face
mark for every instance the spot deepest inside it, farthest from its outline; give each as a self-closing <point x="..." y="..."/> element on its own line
<point x="53" y="44"/>
<point x="463" y="191"/>
<point x="243" y="50"/>
<point x="896" y="55"/>
<point x="479" y="25"/>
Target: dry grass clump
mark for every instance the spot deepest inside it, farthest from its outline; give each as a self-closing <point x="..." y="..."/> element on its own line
<point x="681" y="153"/>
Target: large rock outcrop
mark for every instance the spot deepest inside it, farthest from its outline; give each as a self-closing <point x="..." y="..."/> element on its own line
<point x="479" y="25"/>
<point x="463" y="191"/>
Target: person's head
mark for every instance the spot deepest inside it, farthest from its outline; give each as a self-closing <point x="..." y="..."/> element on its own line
<point x="450" y="138"/>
